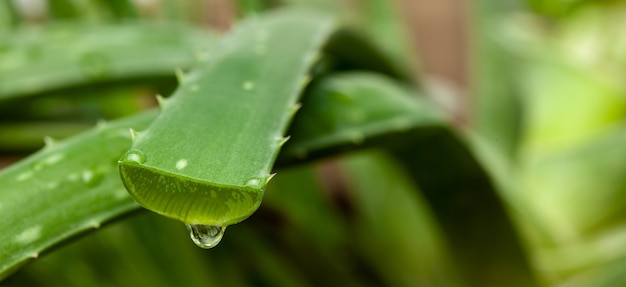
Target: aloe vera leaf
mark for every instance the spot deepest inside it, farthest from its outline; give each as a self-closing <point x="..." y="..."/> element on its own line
<point x="122" y="254"/>
<point x="374" y="27"/>
<point x="217" y="174"/>
<point x="25" y="136"/>
<point x="8" y="16"/>
<point x="467" y="205"/>
<point x="270" y="267"/>
<point x="31" y="57"/>
<point x="97" y="141"/>
<point x="308" y="210"/>
<point x="323" y="5"/>
<point x="89" y="103"/>
<point x="115" y="101"/>
<point x="389" y="212"/>
<point x="79" y="176"/>
<point x="120" y="9"/>
<point x="311" y="228"/>
<point x="355" y="109"/>
<point x="367" y="57"/>
<point x="25" y="122"/>
<point x="497" y="112"/>
<point x="63" y="9"/>
<point x="385" y="26"/>
<point x="173" y="10"/>
<point x="382" y="113"/>
<point x="250" y="7"/>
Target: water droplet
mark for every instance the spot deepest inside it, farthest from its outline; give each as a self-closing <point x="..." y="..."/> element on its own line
<point x="54" y="158"/>
<point x="87" y="175"/>
<point x="48" y="161"/>
<point x="28" y="235"/>
<point x="248" y="86"/>
<point x="24" y="175"/>
<point x="92" y="178"/>
<point x="134" y="155"/>
<point x="205" y="236"/>
<point x="253" y="182"/>
<point x="181" y="163"/>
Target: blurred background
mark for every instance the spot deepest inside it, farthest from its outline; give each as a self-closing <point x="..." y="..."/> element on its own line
<point x="539" y="83"/>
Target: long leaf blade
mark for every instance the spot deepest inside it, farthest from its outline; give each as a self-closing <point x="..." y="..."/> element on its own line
<point x="62" y="190"/>
<point x="200" y="162"/>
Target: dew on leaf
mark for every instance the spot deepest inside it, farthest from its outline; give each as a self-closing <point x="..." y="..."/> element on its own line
<point x="205" y="236"/>
<point x="134" y="155"/>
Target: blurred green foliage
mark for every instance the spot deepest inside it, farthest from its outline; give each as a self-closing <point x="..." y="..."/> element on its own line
<point x="548" y="140"/>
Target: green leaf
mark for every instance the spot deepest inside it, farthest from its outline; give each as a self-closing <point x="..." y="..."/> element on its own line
<point x="558" y="184"/>
<point x="395" y="229"/>
<point x="121" y="9"/>
<point x="122" y="254"/>
<point x="361" y="110"/>
<point x="25" y="136"/>
<point x="63" y="9"/>
<point x="208" y="156"/>
<point x="63" y="55"/>
<point x="356" y="109"/>
<point x="8" y="16"/>
<point x="64" y="189"/>
<point x="469" y="208"/>
<point x="378" y="109"/>
<point x="386" y="26"/>
<point x="497" y="114"/>
<point x="250" y="7"/>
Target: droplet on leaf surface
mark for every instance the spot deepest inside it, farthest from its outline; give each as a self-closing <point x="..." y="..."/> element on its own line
<point x="205" y="236"/>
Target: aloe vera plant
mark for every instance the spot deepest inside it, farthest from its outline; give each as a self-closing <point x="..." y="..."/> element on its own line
<point x="88" y="181"/>
<point x="421" y="204"/>
<point x="224" y="184"/>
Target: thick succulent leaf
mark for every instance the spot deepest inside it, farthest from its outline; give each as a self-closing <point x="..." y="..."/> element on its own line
<point x="394" y="227"/>
<point x="27" y="136"/>
<point x="64" y="55"/>
<point x="367" y="109"/>
<point x="356" y="109"/>
<point x="470" y="209"/>
<point x="62" y="190"/>
<point x="75" y="194"/>
<point x="208" y="156"/>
